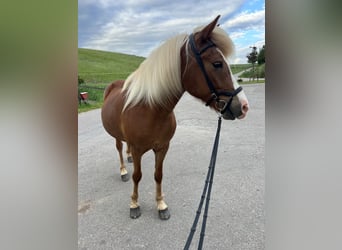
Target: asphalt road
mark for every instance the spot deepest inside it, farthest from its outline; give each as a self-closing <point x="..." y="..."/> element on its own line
<point x="236" y="218"/>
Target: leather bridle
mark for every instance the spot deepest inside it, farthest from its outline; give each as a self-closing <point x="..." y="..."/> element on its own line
<point x="221" y="105"/>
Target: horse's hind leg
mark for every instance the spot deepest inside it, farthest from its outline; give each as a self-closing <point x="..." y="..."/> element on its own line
<point x="164" y="213"/>
<point x="134" y="207"/>
<point x="123" y="171"/>
<point x="129" y="154"/>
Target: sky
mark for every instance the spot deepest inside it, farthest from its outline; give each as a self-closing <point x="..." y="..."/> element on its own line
<point x="136" y="27"/>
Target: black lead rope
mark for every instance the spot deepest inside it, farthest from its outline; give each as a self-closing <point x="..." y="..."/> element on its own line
<point x="205" y="194"/>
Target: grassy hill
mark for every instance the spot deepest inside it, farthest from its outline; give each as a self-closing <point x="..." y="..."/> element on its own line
<point x="96" y="66"/>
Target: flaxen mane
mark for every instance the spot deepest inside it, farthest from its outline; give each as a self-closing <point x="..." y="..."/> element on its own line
<point x="158" y="78"/>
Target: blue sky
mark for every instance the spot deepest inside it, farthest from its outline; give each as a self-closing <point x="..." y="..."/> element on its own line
<point x="137" y="27"/>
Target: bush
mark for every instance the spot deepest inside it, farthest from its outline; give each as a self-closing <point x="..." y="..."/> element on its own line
<point x="80" y="80"/>
<point x="261" y="71"/>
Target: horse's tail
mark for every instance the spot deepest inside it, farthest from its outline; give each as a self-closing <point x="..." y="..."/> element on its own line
<point x="110" y="87"/>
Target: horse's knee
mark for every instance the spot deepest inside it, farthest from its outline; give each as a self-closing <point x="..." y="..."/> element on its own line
<point x="136" y="176"/>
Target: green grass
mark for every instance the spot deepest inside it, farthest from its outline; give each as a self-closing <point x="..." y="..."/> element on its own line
<point x="96" y="66"/>
<point x="83" y="107"/>
<point x="236" y="68"/>
<point x="259" y="69"/>
<point x="100" y="68"/>
<point x="251" y="82"/>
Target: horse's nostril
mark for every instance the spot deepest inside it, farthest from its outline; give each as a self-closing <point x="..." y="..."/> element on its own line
<point x="245" y="108"/>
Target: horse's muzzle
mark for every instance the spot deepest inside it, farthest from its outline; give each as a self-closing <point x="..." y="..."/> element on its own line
<point x="235" y="109"/>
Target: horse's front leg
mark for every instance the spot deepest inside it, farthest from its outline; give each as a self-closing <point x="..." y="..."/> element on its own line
<point x="164" y="213"/>
<point x="134" y="207"/>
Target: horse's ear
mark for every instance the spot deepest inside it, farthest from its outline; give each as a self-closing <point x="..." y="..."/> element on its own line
<point x="206" y="31"/>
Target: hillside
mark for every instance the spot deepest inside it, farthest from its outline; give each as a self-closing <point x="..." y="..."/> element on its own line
<point x="96" y="66"/>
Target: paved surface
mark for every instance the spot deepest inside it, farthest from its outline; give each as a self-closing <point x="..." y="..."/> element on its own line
<point x="236" y="214"/>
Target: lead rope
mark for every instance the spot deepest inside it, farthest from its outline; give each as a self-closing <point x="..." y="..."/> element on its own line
<point x="205" y="194"/>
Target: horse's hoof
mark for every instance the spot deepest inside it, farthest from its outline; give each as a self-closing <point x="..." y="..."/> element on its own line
<point x="134" y="212"/>
<point x="164" y="214"/>
<point x="129" y="159"/>
<point x="125" y="177"/>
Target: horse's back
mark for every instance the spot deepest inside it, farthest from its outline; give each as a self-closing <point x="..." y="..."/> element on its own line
<point x="112" y="109"/>
<point x="115" y="86"/>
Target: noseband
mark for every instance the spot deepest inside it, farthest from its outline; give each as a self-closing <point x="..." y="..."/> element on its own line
<point x="221" y="105"/>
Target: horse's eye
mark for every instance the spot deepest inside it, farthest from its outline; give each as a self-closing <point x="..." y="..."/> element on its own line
<point x="217" y="64"/>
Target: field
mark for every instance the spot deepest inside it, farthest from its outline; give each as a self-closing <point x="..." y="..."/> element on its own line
<point x="103" y="67"/>
<point x="236" y="68"/>
<point x="259" y="72"/>
<point x="99" y="68"/>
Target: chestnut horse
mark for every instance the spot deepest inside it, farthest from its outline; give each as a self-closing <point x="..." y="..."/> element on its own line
<point x="139" y="110"/>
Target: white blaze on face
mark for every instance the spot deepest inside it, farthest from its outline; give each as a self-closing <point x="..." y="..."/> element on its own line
<point x="241" y="95"/>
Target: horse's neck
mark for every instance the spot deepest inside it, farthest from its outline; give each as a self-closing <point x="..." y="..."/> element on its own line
<point x="170" y="106"/>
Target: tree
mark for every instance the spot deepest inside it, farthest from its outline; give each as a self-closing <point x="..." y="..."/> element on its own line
<point x="261" y="56"/>
<point x="252" y="58"/>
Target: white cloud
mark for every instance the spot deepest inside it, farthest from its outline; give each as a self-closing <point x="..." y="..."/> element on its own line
<point x="99" y="3"/>
<point x="243" y="50"/>
<point x="246" y="20"/>
<point x="236" y="35"/>
<point x="136" y="27"/>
